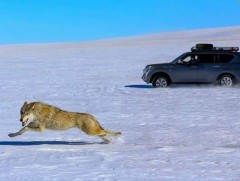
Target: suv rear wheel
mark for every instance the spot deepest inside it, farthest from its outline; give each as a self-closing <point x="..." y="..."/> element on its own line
<point x="226" y="80"/>
<point x="160" y="81"/>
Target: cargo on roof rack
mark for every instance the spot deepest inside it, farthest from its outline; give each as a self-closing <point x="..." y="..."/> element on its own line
<point x="210" y="47"/>
<point x="202" y="47"/>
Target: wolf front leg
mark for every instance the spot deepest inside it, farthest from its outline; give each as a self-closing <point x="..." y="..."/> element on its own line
<point x="19" y="132"/>
<point x="27" y="128"/>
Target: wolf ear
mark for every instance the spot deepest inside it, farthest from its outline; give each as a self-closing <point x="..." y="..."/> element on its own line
<point x="25" y="103"/>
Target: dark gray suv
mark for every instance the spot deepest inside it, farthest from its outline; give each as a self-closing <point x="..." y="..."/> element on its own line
<point x="204" y="64"/>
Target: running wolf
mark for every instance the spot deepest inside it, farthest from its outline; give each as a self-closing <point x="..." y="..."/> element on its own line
<point x="37" y="116"/>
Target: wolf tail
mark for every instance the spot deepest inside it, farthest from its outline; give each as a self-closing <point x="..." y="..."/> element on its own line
<point x="107" y="132"/>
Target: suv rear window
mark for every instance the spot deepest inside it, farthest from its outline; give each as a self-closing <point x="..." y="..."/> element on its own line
<point x="206" y="58"/>
<point x="225" y="58"/>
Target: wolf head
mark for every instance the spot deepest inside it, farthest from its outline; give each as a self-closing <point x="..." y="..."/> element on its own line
<point x="27" y="114"/>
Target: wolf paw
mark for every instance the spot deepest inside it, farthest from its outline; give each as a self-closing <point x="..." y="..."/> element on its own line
<point x="12" y="135"/>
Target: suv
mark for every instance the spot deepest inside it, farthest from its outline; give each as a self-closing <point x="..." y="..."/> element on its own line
<point x="204" y="64"/>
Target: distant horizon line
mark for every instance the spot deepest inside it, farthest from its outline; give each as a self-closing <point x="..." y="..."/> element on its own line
<point x="117" y="37"/>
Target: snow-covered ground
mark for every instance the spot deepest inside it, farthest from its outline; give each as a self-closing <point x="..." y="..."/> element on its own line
<point x="183" y="133"/>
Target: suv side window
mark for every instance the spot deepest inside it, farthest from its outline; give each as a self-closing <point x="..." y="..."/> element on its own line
<point x="225" y="58"/>
<point x="187" y="59"/>
<point x="207" y="58"/>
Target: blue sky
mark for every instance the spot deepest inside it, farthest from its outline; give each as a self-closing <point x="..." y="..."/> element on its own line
<point x="38" y="21"/>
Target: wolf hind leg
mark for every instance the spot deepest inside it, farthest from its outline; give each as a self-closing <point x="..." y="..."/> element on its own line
<point x="103" y="134"/>
<point x="105" y="138"/>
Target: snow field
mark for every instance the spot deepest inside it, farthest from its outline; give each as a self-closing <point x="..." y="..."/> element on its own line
<point x="185" y="132"/>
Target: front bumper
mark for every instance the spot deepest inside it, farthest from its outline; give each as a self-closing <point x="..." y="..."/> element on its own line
<point x="145" y="78"/>
<point x="147" y="74"/>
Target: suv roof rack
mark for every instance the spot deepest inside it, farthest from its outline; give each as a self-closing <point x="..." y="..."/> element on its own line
<point x="209" y="47"/>
<point x="232" y="49"/>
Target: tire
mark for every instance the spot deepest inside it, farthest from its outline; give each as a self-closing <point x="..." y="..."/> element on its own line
<point x="204" y="46"/>
<point x="160" y="82"/>
<point x="226" y="80"/>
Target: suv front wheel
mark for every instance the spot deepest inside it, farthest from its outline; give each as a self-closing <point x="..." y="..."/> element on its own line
<point x="226" y="80"/>
<point x="160" y="81"/>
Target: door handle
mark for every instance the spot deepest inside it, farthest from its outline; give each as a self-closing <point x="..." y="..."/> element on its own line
<point x="216" y="66"/>
<point x="194" y="66"/>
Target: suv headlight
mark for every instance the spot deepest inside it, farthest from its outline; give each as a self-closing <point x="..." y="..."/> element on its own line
<point x="146" y="69"/>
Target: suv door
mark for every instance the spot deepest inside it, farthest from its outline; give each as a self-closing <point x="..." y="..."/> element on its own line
<point x="227" y="66"/>
<point x="184" y="70"/>
<point x="209" y="67"/>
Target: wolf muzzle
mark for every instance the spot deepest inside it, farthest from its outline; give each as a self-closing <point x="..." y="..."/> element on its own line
<point x="23" y="122"/>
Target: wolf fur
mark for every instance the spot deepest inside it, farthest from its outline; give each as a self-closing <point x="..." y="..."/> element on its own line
<point x="38" y="116"/>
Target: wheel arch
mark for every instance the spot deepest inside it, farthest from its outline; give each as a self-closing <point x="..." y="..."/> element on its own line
<point x="227" y="73"/>
<point x="162" y="74"/>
